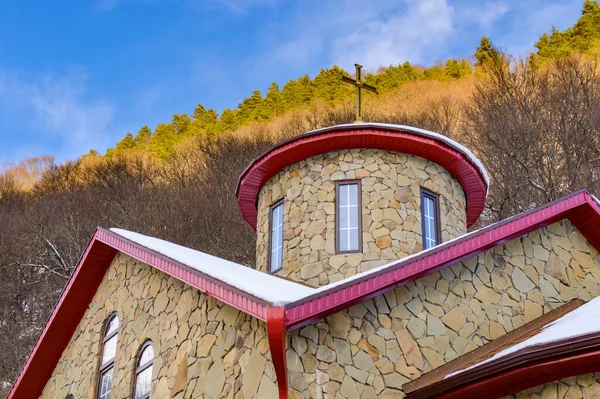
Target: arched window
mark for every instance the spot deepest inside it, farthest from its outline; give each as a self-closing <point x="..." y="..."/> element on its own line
<point x="107" y="357"/>
<point x="143" y="372"/>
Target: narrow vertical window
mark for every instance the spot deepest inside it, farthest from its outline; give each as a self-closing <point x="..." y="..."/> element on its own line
<point x="348" y="221"/>
<point x="430" y="219"/>
<point x="107" y="357"/>
<point x="276" y="237"/>
<point x="143" y="372"/>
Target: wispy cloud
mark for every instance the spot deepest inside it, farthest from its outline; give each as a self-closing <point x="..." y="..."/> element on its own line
<point x="57" y="110"/>
<point x="484" y="14"/>
<point x="376" y="33"/>
<point x="406" y="35"/>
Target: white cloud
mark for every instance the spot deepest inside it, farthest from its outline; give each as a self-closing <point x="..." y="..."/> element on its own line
<point x="56" y="107"/>
<point x="528" y="20"/>
<point x="400" y="36"/>
<point x="484" y="14"/>
<point x="374" y="34"/>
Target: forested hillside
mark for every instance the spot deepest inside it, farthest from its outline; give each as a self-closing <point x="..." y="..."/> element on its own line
<point x="534" y="123"/>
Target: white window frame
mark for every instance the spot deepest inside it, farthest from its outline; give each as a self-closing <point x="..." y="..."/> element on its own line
<point x="430" y="218"/>
<point x="276" y="233"/>
<point x="352" y="205"/>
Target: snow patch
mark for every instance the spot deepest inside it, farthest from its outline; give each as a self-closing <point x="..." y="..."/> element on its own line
<point x="261" y="285"/>
<point x="581" y="321"/>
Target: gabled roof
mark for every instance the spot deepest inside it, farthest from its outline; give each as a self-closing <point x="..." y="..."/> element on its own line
<point x="287" y="304"/>
<point x="455" y="158"/>
<point x="562" y="343"/>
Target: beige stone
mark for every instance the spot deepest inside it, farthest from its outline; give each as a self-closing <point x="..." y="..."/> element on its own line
<point x="410" y="349"/>
<point x="455" y="319"/>
<point x="390" y="209"/>
<point x="215" y="380"/>
<point x="253" y="374"/>
<point x="339" y="324"/>
<point x="205" y="345"/>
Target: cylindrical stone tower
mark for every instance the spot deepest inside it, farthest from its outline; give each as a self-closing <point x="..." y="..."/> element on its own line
<point x="342" y="200"/>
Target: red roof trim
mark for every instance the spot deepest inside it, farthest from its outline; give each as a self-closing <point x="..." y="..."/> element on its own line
<point x="579" y="207"/>
<point x="82" y="287"/>
<point x="533" y="367"/>
<point x="335" y="138"/>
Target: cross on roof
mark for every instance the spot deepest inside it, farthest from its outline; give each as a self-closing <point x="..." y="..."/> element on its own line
<point x="359" y="85"/>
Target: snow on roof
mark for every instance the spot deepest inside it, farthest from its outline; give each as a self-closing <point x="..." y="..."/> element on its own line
<point x="426" y="133"/>
<point x="261" y="285"/>
<point x="582" y="321"/>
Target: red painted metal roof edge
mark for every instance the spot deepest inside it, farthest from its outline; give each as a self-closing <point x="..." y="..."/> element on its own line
<point x="524" y="369"/>
<point x="37" y="354"/>
<point x="226" y="293"/>
<point x="45" y="355"/>
<point x="350" y="292"/>
<point x="437" y="381"/>
<point x="472" y="175"/>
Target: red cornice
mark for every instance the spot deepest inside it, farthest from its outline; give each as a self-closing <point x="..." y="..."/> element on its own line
<point x="82" y="286"/>
<point x="532" y="368"/>
<point x="383" y="137"/>
<point x="580" y="208"/>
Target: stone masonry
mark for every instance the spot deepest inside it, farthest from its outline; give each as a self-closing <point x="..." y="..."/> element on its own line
<point x="373" y="348"/>
<point x="585" y="386"/>
<point x="391" y="211"/>
<point x="203" y="348"/>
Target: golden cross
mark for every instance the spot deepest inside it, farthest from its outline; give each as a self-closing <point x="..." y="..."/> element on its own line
<point x="359" y="84"/>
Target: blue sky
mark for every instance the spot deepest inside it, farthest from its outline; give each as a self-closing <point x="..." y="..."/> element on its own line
<point x="79" y="74"/>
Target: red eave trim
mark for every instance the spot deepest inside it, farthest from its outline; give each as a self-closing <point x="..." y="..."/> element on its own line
<point x="579" y="207"/>
<point x="82" y="287"/>
<point x="347" y="137"/>
<point x="530" y="373"/>
<point x="225" y="293"/>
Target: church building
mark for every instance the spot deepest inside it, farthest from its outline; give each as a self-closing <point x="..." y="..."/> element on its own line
<point x="367" y="284"/>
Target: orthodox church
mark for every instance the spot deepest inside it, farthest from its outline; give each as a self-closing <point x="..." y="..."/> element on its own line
<point x="367" y="284"/>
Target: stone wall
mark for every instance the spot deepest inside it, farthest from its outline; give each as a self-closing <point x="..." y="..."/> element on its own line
<point x="373" y="348"/>
<point x="203" y="348"/>
<point x="391" y="211"/>
<point x="585" y="386"/>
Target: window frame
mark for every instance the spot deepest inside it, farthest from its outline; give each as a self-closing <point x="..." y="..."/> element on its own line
<point x="339" y="183"/>
<point x="141" y="367"/>
<point x="437" y="222"/>
<point x="103" y="368"/>
<point x="270" y="237"/>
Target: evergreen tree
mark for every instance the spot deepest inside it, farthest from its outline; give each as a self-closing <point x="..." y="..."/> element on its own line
<point x="143" y="136"/>
<point x="329" y="86"/>
<point x="228" y="120"/>
<point x="392" y="77"/>
<point x="485" y="52"/>
<point x="583" y="37"/>
<point x="274" y="100"/>
<point x="181" y="124"/>
<point x="252" y="108"/>
<point x="163" y="140"/>
<point x="126" y="143"/>
<point x="456" y="70"/>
